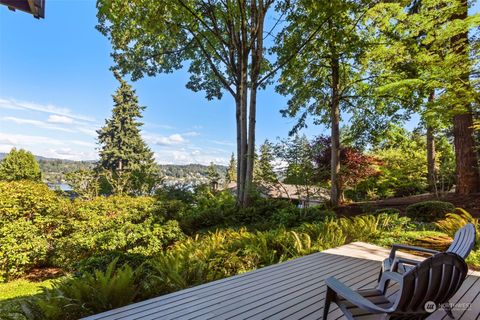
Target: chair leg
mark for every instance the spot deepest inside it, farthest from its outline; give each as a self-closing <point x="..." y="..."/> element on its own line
<point x="329" y="297"/>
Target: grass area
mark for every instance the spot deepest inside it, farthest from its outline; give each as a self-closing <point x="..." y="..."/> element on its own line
<point x="12" y="292"/>
<point x="21" y="287"/>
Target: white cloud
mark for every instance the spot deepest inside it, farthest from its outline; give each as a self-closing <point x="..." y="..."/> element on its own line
<point x="36" y="123"/>
<point x="59" y="119"/>
<point x="160" y="140"/>
<point x="48" y="108"/>
<point x="27" y="140"/>
<point x="183" y="156"/>
<point x="70" y="154"/>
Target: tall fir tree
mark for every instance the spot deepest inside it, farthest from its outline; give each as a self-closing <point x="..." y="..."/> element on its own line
<point x="126" y="160"/>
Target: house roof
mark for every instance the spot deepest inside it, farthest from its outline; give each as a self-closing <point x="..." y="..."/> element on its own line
<point x="34" y="7"/>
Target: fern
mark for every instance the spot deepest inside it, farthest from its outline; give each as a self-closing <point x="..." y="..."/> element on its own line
<point x="454" y="221"/>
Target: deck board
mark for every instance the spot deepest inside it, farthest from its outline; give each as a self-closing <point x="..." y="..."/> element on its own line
<point x="290" y="290"/>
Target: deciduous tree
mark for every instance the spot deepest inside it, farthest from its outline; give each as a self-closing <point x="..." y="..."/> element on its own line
<point x="20" y="165"/>
<point x="221" y="41"/>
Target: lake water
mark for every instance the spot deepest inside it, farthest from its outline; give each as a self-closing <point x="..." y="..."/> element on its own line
<point x="61" y="186"/>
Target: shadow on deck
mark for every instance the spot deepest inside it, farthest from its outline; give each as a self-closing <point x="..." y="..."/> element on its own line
<point x="291" y="290"/>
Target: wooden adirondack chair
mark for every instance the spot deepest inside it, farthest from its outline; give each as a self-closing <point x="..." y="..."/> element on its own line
<point x="462" y="244"/>
<point x="435" y="279"/>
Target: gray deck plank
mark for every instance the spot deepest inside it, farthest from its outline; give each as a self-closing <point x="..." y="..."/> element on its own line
<point x="216" y="285"/>
<point x="315" y="309"/>
<point x="290" y="290"/>
<point x="315" y="289"/>
<point x="315" y="281"/>
<point x="264" y="283"/>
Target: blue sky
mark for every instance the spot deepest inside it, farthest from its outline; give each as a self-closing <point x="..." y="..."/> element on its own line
<point x="55" y="91"/>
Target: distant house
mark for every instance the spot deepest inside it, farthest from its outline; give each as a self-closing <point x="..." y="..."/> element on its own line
<point x="34" y="7"/>
<point x="302" y="196"/>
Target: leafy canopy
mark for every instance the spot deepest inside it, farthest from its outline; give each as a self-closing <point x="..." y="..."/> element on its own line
<point x="20" y="165"/>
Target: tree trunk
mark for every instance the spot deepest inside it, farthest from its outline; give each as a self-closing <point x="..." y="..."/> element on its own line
<point x="468" y="176"/>
<point x="431" y="154"/>
<point x="239" y="141"/>
<point x="257" y="16"/>
<point x="335" y="193"/>
<point x="431" y="159"/>
<point x="468" y="179"/>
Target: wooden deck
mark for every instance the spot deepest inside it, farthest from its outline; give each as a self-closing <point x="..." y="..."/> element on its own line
<point x="291" y="290"/>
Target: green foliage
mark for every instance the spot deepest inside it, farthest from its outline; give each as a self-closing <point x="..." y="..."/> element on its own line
<point x="20" y="165"/>
<point x="212" y="174"/>
<point x="292" y="216"/>
<point x="102" y="261"/>
<point x="82" y="296"/>
<point x="456" y="220"/>
<point x="85" y="183"/>
<point x="22" y="246"/>
<point x="30" y="220"/>
<point x="126" y="161"/>
<point x="263" y="171"/>
<point x="388" y="211"/>
<point x="429" y="211"/>
<point x="126" y="224"/>
<point x="231" y="173"/>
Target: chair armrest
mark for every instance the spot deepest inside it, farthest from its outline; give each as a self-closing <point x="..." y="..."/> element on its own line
<point x="352" y="296"/>
<point x="397" y="261"/>
<point x="388" y="276"/>
<point x="395" y="247"/>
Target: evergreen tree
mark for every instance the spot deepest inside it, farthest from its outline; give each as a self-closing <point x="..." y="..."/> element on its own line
<point x="231" y="174"/>
<point x="264" y="168"/>
<point x="20" y="165"/>
<point x="213" y="175"/>
<point x="125" y="159"/>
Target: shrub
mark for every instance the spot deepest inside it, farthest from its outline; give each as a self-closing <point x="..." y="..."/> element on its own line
<point x="22" y="246"/>
<point x="101" y="262"/>
<point x="82" y="296"/>
<point x="146" y="238"/>
<point x="429" y="211"/>
<point x="388" y="211"/>
<point x="117" y="223"/>
<point x="291" y="217"/>
<point x="31" y="219"/>
<point x="209" y="209"/>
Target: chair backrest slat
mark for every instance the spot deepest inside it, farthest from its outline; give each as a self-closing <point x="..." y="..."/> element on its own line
<point x="434" y="279"/>
<point x="464" y="241"/>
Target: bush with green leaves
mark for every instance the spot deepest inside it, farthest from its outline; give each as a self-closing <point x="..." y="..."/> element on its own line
<point x="117" y="223"/>
<point x="31" y="219"/>
<point x="22" y="246"/>
<point x="388" y="211"/>
<point x="429" y="211"/>
<point x="293" y="216"/>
